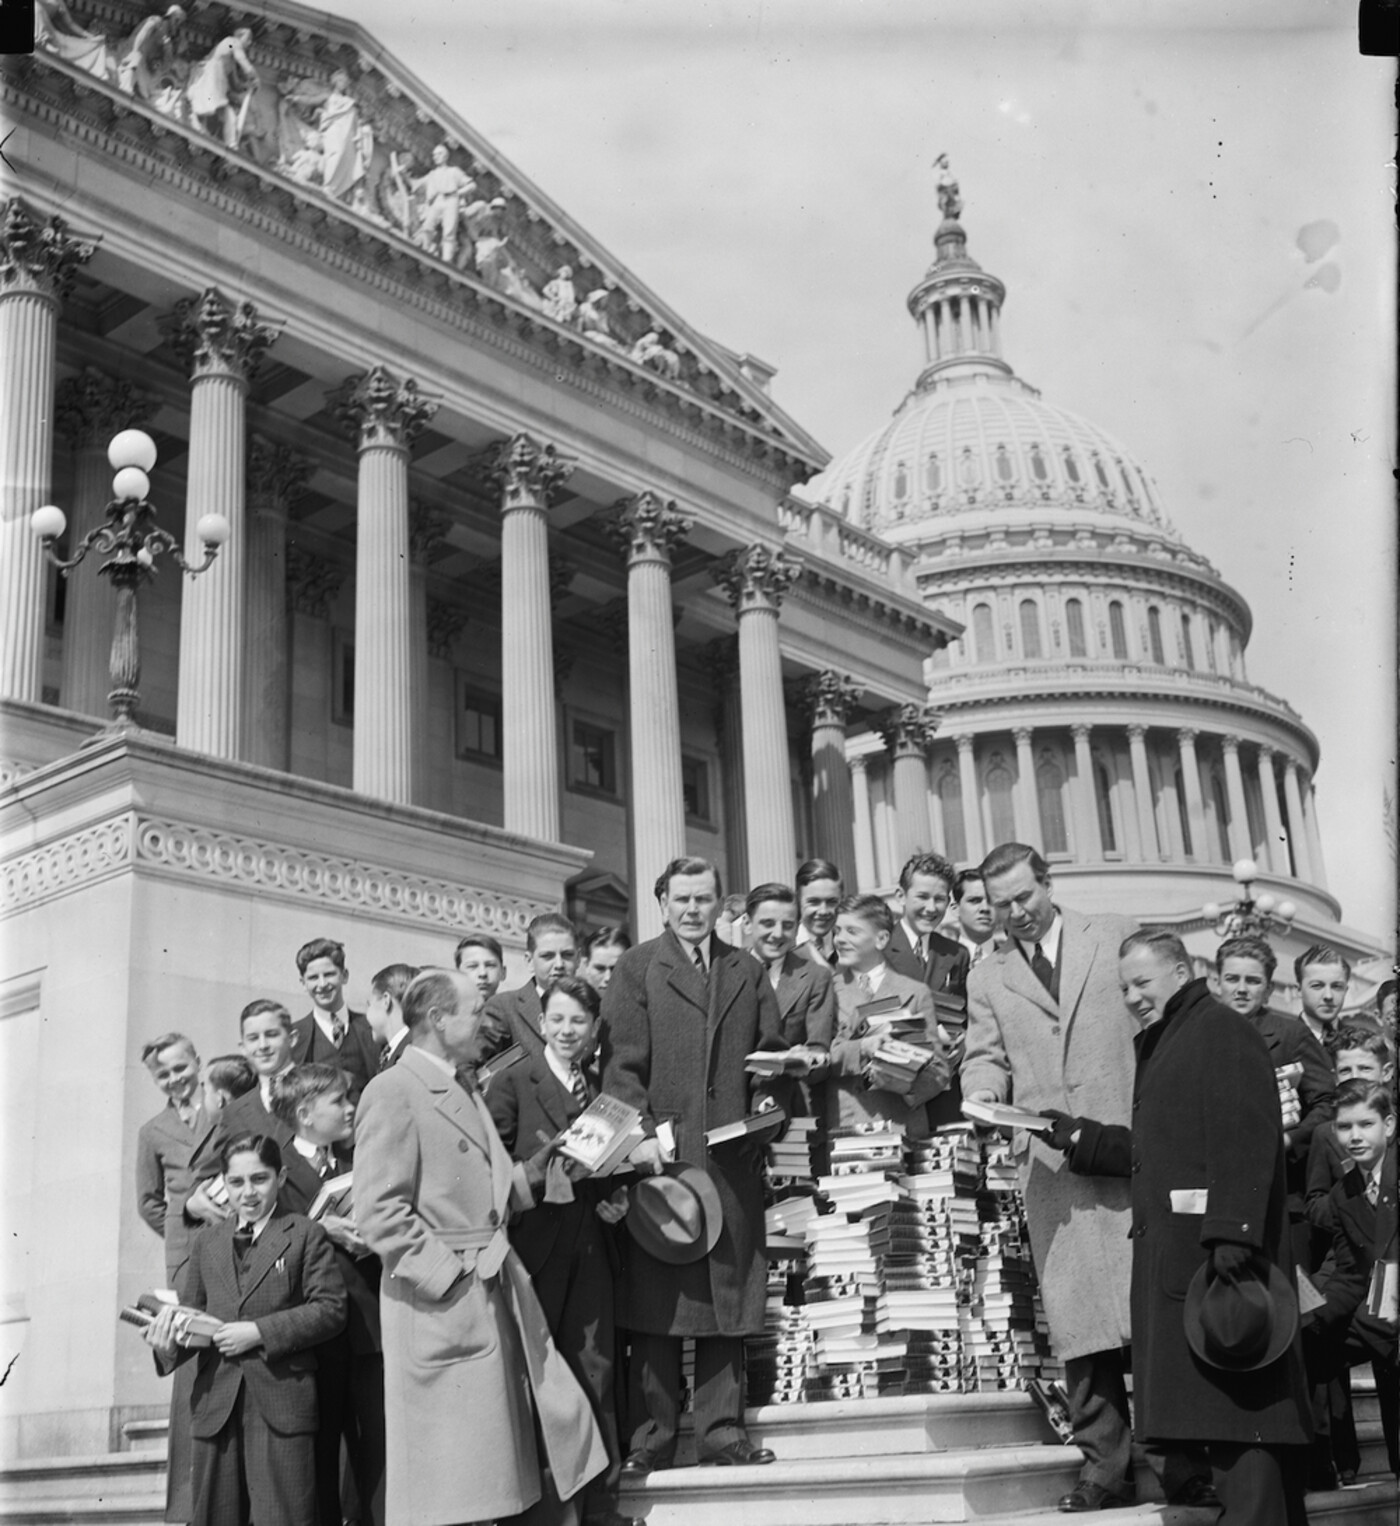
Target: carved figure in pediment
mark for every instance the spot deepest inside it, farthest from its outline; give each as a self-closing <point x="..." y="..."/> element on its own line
<point x="58" y="31"/>
<point x="592" y="318"/>
<point x="444" y="193"/>
<point x="560" y="299"/>
<point x="491" y="252"/>
<point x="221" y="88"/>
<point x="649" y="351"/>
<point x="151" y="59"/>
<point x="347" y="141"/>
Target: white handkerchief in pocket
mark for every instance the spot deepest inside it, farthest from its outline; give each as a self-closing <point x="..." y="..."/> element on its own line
<point x="1189" y="1200"/>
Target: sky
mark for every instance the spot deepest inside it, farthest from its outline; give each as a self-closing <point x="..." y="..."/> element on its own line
<point x="1190" y="203"/>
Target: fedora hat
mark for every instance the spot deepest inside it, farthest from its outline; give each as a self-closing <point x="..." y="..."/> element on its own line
<point x="676" y="1216"/>
<point x="1240" y="1326"/>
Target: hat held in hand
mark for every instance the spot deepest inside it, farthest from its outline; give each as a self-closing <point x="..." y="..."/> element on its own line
<point x="676" y="1216"/>
<point x="1240" y="1326"/>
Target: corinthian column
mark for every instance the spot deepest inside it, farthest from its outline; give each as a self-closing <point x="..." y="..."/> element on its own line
<point x="971" y="803"/>
<point x="1319" y="873"/>
<point x="755" y="579"/>
<point x="720" y="659"/>
<point x="220" y="343"/>
<point x="1142" y="793"/>
<point x="864" y="826"/>
<point x="1090" y="838"/>
<point x="648" y="528"/>
<point x="385" y="414"/>
<point x="426" y="529"/>
<point x="1195" y="805"/>
<point x="529" y="475"/>
<point x="1297" y="827"/>
<point x="830" y="698"/>
<point x="909" y="731"/>
<point x="1025" y="801"/>
<point x="1276" y="846"/>
<point x="277" y="477"/>
<point x="88" y="410"/>
<point x="1237" y="829"/>
<point x="37" y="265"/>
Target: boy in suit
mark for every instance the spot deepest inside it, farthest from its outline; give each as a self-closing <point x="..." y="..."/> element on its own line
<point x="481" y="959"/>
<point x="1358" y="1323"/>
<point x="819" y="891"/>
<point x="860" y="1088"/>
<point x="551" y="945"/>
<point x="384" y="1011"/>
<point x="917" y="948"/>
<point x="1323" y="974"/>
<point x="562" y="1240"/>
<point x="330" y="1032"/>
<point x="313" y="1102"/>
<point x="270" y="1278"/>
<point x="602" y="948"/>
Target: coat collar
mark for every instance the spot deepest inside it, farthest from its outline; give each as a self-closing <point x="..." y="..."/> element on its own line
<point x="796" y="977"/>
<point x="554" y="1102"/>
<point x="452" y="1100"/>
<point x="1016" y="975"/>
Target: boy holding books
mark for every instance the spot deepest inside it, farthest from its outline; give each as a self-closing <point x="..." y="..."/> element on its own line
<point x="563" y="1240"/>
<point x="313" y="1102"/>
<point x="864" y="1081"/>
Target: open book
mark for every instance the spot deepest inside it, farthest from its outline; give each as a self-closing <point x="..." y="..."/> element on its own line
<point x="603" y="1135"/>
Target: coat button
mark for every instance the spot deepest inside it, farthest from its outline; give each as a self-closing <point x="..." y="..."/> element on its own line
<point x="1055" y="1028"/>
<point x="1136" y="1105"/>
<point x="463" y="1146"/>
<point x="710" y="1092"/>
<point x="493" y="1218"/>
<point x="1137" y="1166"/>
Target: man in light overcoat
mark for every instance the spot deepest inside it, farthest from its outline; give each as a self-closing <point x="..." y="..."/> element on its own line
<point x="462" y="1327"/>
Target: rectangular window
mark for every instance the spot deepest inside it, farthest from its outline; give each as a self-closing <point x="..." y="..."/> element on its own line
<point x="593" y="758"/>
<point x="343" y="680"/>
<point x="478" y="723"/>
<point x="695" y="786"/>
<point x="1117" y="631"/>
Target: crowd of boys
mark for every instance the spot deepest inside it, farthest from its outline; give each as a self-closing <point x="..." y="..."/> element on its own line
<point x="422" y="1134"/>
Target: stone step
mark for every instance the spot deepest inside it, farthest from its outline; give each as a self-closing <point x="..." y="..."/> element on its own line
<point x="108" y="1475"/>
<point x="1376" y="1503"/>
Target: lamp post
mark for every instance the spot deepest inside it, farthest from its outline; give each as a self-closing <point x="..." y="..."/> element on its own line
<point x="131" y="534"/>
<point x="1250" y="916"/>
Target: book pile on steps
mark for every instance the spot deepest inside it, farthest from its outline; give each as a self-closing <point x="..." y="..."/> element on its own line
<point x="905" y="1270"/>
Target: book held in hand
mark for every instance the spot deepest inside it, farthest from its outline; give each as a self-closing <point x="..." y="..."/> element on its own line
<point x="193" y="1327"/>
<point x="336" y="1196"/>
<point x="603" y="1135"/>
<point x="796" y="1061"/>
<point x="1000" y="1116"/>
<point x="742" y="1128"/>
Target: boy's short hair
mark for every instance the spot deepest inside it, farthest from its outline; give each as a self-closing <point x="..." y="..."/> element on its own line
<point x="873" y="909"/>
<point x="304" y="1083"/>
<point x="1320" y="953"/>
<point x="733" y="906"/>
<point x="393" y="980"/>
<point x="262" y="1004"/>
<point x="1164" y="943"/>
<point x="965" y="878"/>
<point x="231" y="1073"/>
<point x="578" y="988"/>
<point x="548" y="922"/>
<point x="609" y="936"/>
<point x="815" y="869"/>
<point x="1376" y="1096"/>
<point x="928" y="863"/>
<point x="264" y="1146"/>
<point x="477" y="940"/>
<point x="687" y="865"/>
<point x="785" y="895"/>
<point x="1247" y="946"/>
<point x="1361" y="1036"/>
<point x="321" y="948"/>
<point x="166" y="1041"/>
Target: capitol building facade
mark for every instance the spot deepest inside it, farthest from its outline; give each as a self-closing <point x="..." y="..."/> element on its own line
<point x="528" y="586"/>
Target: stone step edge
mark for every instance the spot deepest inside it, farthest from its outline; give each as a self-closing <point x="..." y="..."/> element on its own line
<point x="1379" y="1500"/>
<point x="22" y="1469"/>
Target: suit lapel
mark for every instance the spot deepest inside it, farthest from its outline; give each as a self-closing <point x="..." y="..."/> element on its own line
<point x="555" y="1102"/>
<point x="262" y="1256"/>
<point x="501" y="1167"/>
<point x="681" y="974"/>
<point x="793" y="981"/>
<point x="1077" y="951"/>
<point x="725" y="983"/>
<point x="1016" y="975"/>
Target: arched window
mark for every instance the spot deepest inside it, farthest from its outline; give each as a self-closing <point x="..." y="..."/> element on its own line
<point x="969" y="474"/>
<point x="1154" y="636"/>
<point x="954" y="831"/>
<point x="1030" y="630"/>
<point x="901" y="481"/>
<point x="1222" y="814"/>
<point x="1103" y="799"/>
<point x="1039" y="470"/>
<point x="1074" y="625"/>
<point x="1127" y="483"/>
<point x="1071" y="465"/>
<point x="999" y="800"/>
<point x="1101" y="472"/>
<point x="1187" y="645"/>
<point x="933" y="473"/>
<point x="983" y="639"/>
<point x="1118" y="631"/>
<point x="1050" y="797"/>
<point x="1005" y="471"/>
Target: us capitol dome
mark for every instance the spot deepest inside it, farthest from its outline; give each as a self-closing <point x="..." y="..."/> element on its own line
<point x="1097" y="703"/>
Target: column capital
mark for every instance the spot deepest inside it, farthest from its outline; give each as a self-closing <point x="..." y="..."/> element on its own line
<point x="829" y="697"/>
<point x="647" y="526"/>
<point x="1266" y="752"/>
<point x="1137" y="732"/>
<point x="215" y="337"/>
<point x="756" y="577"/>
<point x="908" y="730"/>
<point x="1187" y="736"/>
<point x="964" y="741"/>
<point x="92" y="406"/>
<point x="379" y="409"/>
<point x="427" y="529"/>
<point x="1292" y="766"/>
<point x="1080" y="733"/>
<point x="858" y="763"/>
<point x="277" y="475"/>
<point x="1229" y="743"/>
<point x="528" y="473"/>
<point x="445" y="623"/>
<point x="312" y="582"/>
<point x="39" y="257"/>
<point x="1022" y="735"/>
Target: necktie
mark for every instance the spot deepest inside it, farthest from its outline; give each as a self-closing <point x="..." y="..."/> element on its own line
<point x="578" y="1085"/>
<point x="321" y="1160"/>
<point x="1044" y="970"/>
<point x="1372" y="1190"/>
<point x="242" y="1242"/>
<point x="700" y="962"/>
<point x="337" y="1030"/>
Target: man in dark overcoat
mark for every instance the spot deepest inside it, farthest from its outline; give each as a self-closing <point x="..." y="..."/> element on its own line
<point x="679" y="1016"/>
<point x="1205" y="1158"/>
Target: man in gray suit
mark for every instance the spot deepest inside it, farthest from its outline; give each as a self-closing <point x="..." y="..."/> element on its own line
<point x="1047" y="1029"/>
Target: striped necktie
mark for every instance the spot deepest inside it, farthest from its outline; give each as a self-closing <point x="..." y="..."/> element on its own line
<point x="578" y="1085"/>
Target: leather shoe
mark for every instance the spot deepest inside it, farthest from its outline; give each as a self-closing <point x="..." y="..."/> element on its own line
<point x="1087" y="1496"/>
<point x="641" y="1462"/>
<point x="738" y="1453"/>
<point x="1197" y="1491"/>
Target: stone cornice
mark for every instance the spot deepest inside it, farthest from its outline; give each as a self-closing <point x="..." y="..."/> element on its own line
<point x="824" y="590"/>
<point x="332" y="235"/>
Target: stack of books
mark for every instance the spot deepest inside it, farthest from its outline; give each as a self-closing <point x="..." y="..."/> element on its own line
<point x="779" y="1362"/>
<point x="790" y="1158"/>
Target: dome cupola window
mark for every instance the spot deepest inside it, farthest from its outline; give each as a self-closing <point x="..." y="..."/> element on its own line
<point x="1188" y="648"/>
<point x="1039" y="469"/>
<point x="1072" y="466"/>
<point x="983" y="636"/>
<point x="1127" y="484"/>
<point x="1030" y="631"/>
<point x="1118" y="630"/>
<point x="901" y="482"/>
<point x="1101" y="472"/>
<point x="1006" y="472"/>
<point x="933" y="474"/>
<point x="969" y="473"/>
<point x="1074" y="626"/>
<point x="1154" y="636"/>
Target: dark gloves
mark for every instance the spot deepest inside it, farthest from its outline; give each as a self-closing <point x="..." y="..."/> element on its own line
<point x="1229" y="1262"/>
<point x="1061" y="1137"/>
